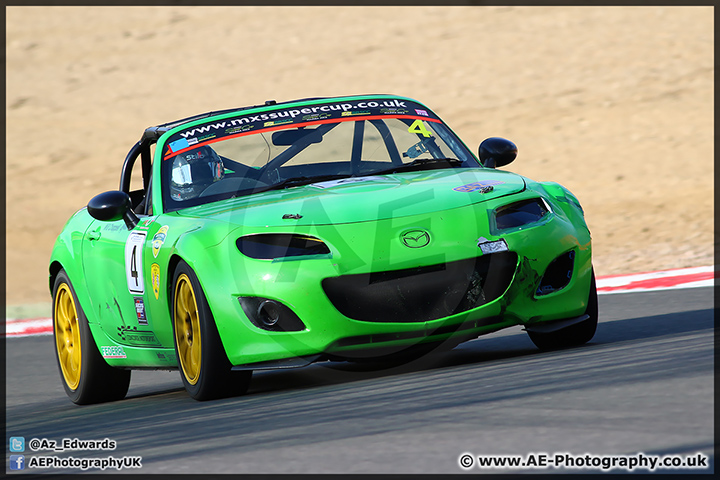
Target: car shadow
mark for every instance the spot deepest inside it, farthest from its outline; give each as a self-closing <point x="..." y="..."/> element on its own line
<point x="483" y="350"/>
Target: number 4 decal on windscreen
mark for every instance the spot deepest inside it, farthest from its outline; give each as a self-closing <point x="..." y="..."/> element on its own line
<point x="419" y="127"/>
<point x="133" y="262"/>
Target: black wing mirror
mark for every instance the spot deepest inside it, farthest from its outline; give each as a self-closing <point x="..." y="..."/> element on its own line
<point x="111" y="206"/>
<point x="497" y="152"/>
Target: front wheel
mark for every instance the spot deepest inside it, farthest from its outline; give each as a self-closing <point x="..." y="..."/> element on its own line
<point x="204" y="367"/>
<point x="574" y="335"/>
<point x="86" y="377"/>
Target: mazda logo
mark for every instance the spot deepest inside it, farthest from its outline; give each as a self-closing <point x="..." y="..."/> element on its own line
<point x="415" y="238"/>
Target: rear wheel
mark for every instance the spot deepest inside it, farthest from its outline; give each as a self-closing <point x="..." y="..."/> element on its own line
<point x="574" y="335"/>
<point x="86" y="377"/>
<point x="204" y="367"/>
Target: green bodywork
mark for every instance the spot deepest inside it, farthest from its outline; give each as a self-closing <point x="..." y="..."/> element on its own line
<point x="360" y="223"/>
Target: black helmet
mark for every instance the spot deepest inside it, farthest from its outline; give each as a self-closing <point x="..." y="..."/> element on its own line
<point x="193" y="171"/>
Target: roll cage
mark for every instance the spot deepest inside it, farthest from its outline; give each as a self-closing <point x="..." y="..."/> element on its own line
<point x="140" y="198"/>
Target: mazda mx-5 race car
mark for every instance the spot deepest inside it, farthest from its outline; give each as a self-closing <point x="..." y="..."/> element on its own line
<point x="278" y="235"/>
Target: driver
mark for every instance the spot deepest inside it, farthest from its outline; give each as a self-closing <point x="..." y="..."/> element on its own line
<point x="194" y="171"/>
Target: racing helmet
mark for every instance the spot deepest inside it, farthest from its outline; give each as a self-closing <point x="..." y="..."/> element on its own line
<point x="193" y="171"/>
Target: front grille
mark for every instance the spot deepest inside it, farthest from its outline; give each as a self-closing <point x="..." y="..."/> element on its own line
<point x="422" y="294"/>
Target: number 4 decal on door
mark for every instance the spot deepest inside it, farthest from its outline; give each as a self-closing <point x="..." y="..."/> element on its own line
<point x="133" y="262"/>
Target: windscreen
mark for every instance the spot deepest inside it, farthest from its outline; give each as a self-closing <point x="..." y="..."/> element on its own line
<point x="291" y="147"/>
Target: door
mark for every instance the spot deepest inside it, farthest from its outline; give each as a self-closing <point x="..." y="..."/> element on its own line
<point x="117" y="282"/>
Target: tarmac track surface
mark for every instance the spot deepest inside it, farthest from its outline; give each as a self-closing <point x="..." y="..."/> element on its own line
<point x="643" y="385"/>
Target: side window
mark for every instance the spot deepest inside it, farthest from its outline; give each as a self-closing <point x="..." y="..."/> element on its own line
<point x="136" y="180"/>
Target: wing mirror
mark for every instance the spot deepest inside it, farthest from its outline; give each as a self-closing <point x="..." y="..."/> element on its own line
<point x="497" y="152"/>
<point x="111" y="206"/>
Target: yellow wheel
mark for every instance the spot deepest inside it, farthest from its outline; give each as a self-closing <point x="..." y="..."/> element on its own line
<point x="187" y="329"/>
<point x="204" y="367"/>
<point x="67" y="336"/>
<point x="86" y="376"/>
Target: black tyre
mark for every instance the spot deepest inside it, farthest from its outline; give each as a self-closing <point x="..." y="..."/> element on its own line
<point x="204" y="367"/>
<point x="574" y="335"/>
<point x="86" y="376"/>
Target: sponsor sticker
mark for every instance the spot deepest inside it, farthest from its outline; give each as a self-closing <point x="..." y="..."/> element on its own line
<point x="159" y="239"/>
<point x="166" y="356"/>
<point x="114" y="227"/>
<point x="352" y="114"/>
<point x="113" y="352"/>
<point x="477" y="186"/>
<point x="276" y="122"/>
<point x="394" y="111"/>
<point x="147" y="222"/>
<point x="140" y="310"/>
<point x="316" y="116"/>
<point x="145" y="338"/>
<point x="243" y="128"/>
<point x="179" y="144"/>
<point x="155" y="277"/>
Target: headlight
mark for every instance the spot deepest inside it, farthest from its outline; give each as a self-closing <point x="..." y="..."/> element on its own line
<point x="521" y="213"/>
<point x="269" y="246"/>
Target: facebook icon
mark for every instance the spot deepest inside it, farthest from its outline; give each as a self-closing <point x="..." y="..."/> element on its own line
<point x="17" y="462"/>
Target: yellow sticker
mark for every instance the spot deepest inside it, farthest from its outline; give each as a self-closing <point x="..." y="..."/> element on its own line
<point x="419" y="127"/>
<point x="159" y="239"/>
<point x="155" y="276"/>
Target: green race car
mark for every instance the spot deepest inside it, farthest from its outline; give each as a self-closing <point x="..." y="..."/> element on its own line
<point x="320" y="229"/>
